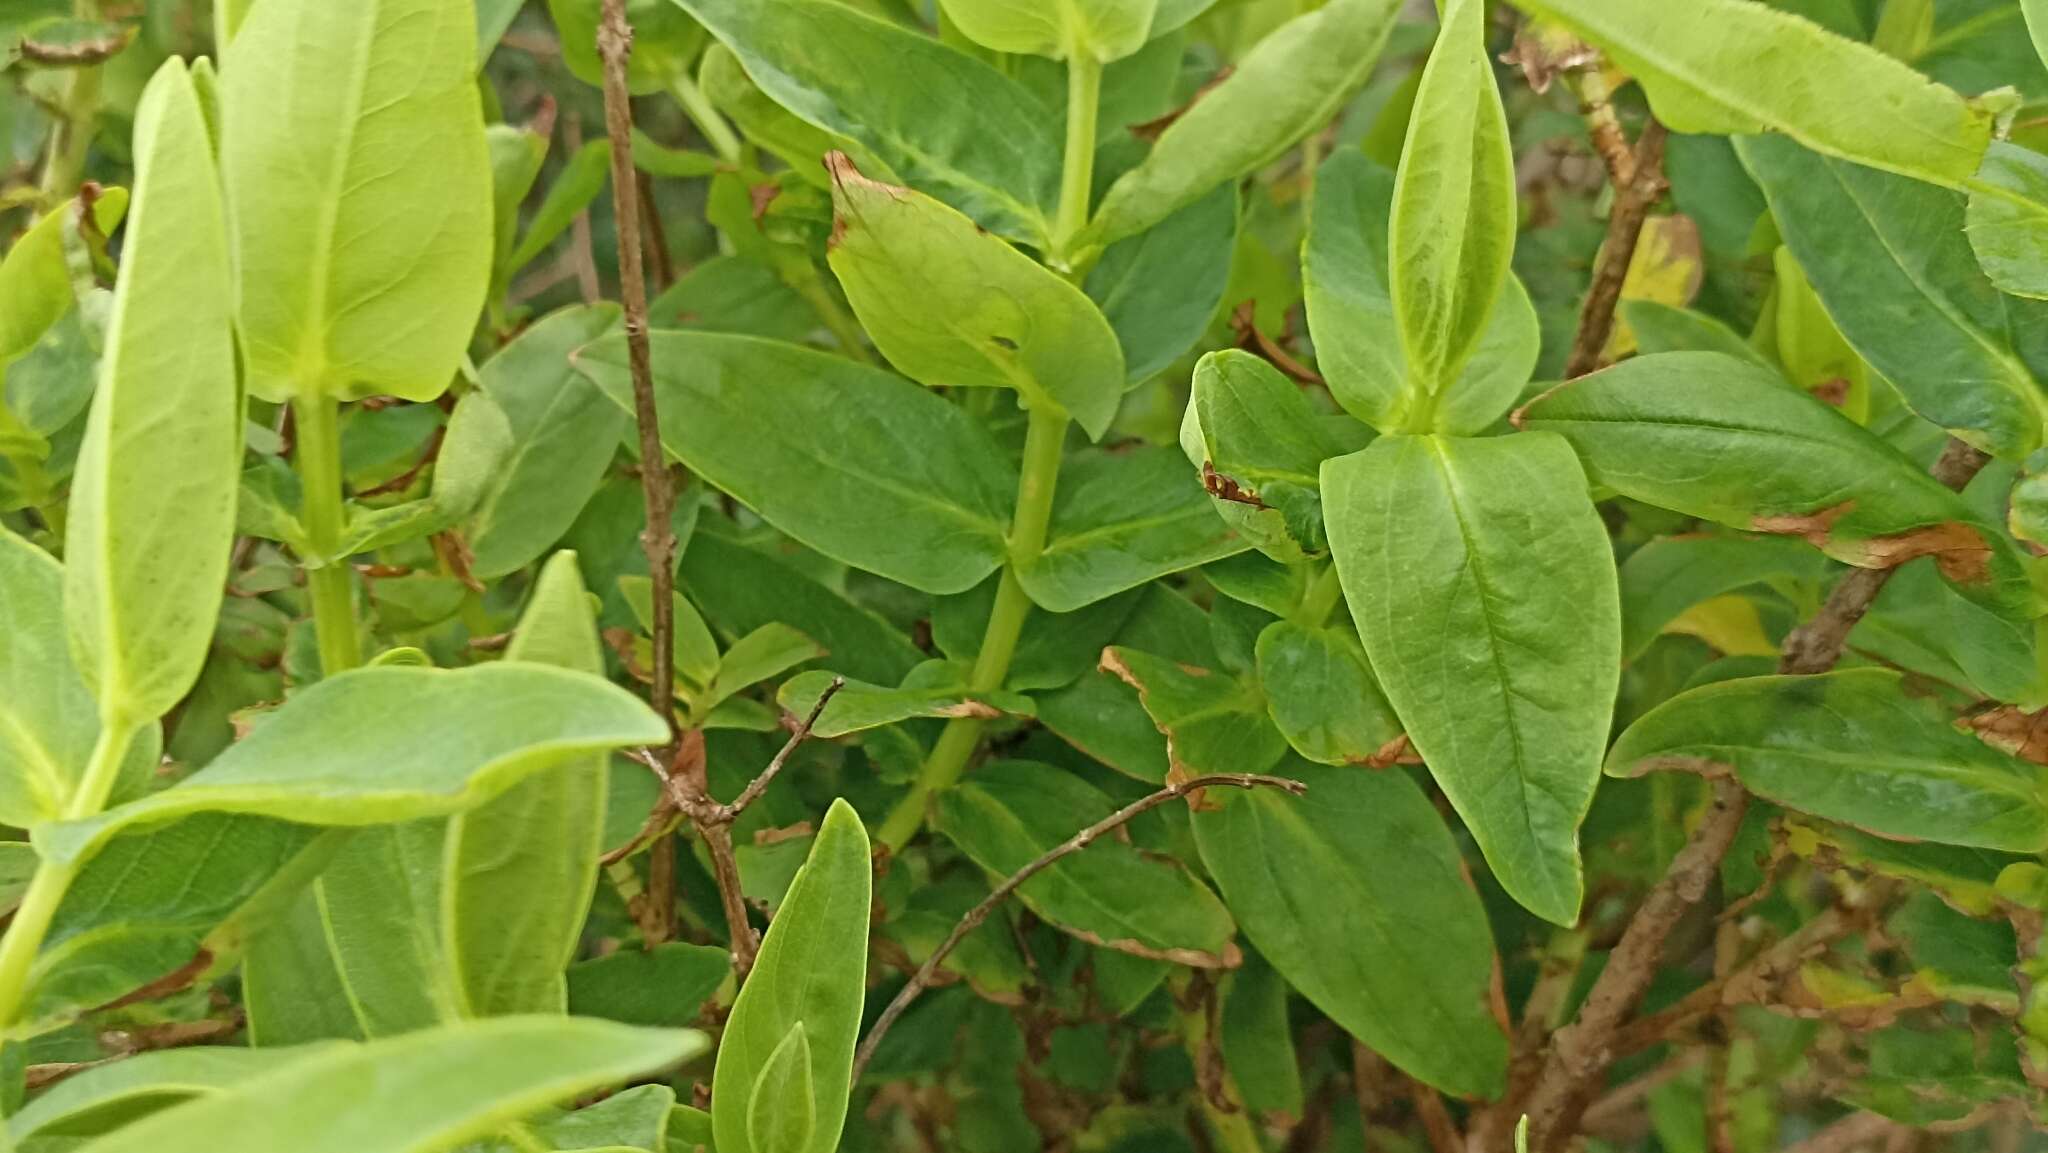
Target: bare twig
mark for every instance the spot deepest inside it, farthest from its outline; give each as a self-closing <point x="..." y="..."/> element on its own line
<point x="1632" y="203"/>
<point x="928" y="972"/>
<point x="729" y="813"/>
<point x="1436" y="1119"/>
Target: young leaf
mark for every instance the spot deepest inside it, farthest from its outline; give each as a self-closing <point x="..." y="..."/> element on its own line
<point x="1736" y="67"/>
<point x="1321" y="693"/>
<point x="1120" y="519"/>
<point x="1006" y="814"/>
<point x="35" y="284"/>
<point x="2008" y="218"/>
<point x="811" y="973"/>
<point x="1259" y="447"/>
<point x="1290" y="85"/>
<point x="1852" y="746"/>
<point x="1372" y="918"/>
<point x="1453" y="228"/>
<point x="353" y="151"/>
<point x="391" y="744"/>
<point x="1891" y="263"/>
<point x="949" y="304"/>
<point x="520" y="868"/>
<point x="153" y="506"/>
<point x="564" y="435"/>
<point x="1482" y="584"/>
<point x="48" y="721"/>
<point x="1346" y="278"/>
<point x="942" y="120"/>
<point x="859" y="464"/>
<point x="782" y="1111"/>
<point x="420" y="1093"/>
<point x="1717" y="438"/>
<point x="1103" y="30"/>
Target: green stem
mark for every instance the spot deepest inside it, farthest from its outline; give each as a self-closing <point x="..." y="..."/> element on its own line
<point x="1077" y="176"/>
<point x="1320" y="600"/>
<point x="52" y="880"/>
<point x="709" y="122"/>
<point x="1043" y="440"/>
<point x="64" y="167"/>
<point x="802" y="277"/>
<point x="318" y="455"/>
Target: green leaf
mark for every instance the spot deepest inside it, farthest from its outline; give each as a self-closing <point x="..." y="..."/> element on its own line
<point x="857" y="463"/>
<point x="383" y="744"/>
<point x="1007" y="814"/>
<point x="2036" y="13"/>
<point x="1259" y="447"/>
<point x="1258" y="1041"/>
<point x="949" y="304"/>
<point x="1160" y="288"/>
<point x="1851" y="746"/>
<point x="665" y="42"/>
<point x="159" y="902"/>
<point x="797" y="143"/>
<point x="2008" y="218"/>
<point x="1718" y="438"/>
<point x="353" y="152"/>
<point x="520" y="868"/>
<point x="942" y="120"/>
<point x="35" y="284"/>
<point x="564" y="433"/>
<point x="1481" y="580"/>
<point x="1322" y="694"/>
<point x="419" y="1093"/>
<point x="1733" y="67"/>
<point x="1105" y="30"/>
<point x="48" y="722"/>
<point x="153" y="503"/>
<point x="1669" y="575"/>
<point x="935" y="689"/>
<point x="696" y="650"/>
<point x="1345" y="274"/>
<point x="811" y="972"/>
<point x="1119" y="519"/>
<point x="1890" y="261"/>
<point x="1292" y="84"/>
<point x="580" y="181"/>
<point x="1372" y="918"/>
<point x="665" y="985"/>
<point x="781" y="1109"/>
<point x="1662" y="328"/>
<point x="1213" y="722"/>
<point x="743" y="590"/>
<point x="761" y="655"/>
<point x="1453" y="229"/>
<point x="102" y="1099"/>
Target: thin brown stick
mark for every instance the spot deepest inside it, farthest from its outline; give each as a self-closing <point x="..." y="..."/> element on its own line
<point x="928" y="972"/>
<point x="730" y="813"/>
<point x="1436" y="1119"/>
<point x="1632" y="203"/>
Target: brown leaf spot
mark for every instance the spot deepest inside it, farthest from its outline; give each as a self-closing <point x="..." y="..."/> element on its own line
<point x="1399" y="751"/>
<point x="801" y="829"/>
<point x="980" y="710"/>
<point x="1959" y="551"/>
<point x="1833" y="392"/>
<point x="2015" y="731"/>
<point x="760" y="196"/>
<point x="1812" y="527"/>
<point x="1226" y="488"/>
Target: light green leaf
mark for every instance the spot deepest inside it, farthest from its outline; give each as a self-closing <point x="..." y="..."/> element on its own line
<point x="353" y="151"/>
<point x="1453" y="229"/>
<point x="102" y="1099"/>
<point x="1119" y="519"/>
<point x="420" y="1093"/>
<point x="934" y="689"/>
<point x="1103" y="29"/>
<point x="1482" y="584"/>
<point x="1292" y="84"/>
<point x="1213" y="722"/>
<point x="520" y="869"/>
<point x="1890" y="261"/>
<point x="35" y="284"/>
<point x="696" y="650"/>
<point x="2036" y="13"/>
<point x="942" y="120"/>
<point x="1371" y="917"/>
<point x="857" y="463"/>
<point x="1732" y="67"/>
<point x="1322" y="694"/>
<point x="761" y="655"/>
<point x="781" y="1110"/>
<point x="1718" y="438"/>
<point x="949" y="304"/>
<point x="1007" y="814"/>
<point x="580" y="181"/>
<point x="1345" y="275"/>
<point x="378" y="745"/>
<point x="153" y="503"/>
<point x="1259" y="447"/>
<point x="48" y="721"/>
<point x="2008" y="218"/>
<point x="1851" y="746"/>
<point x="564" y="435"/>
<point x="811" y="972"/>
<point x="517" y="154"/>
